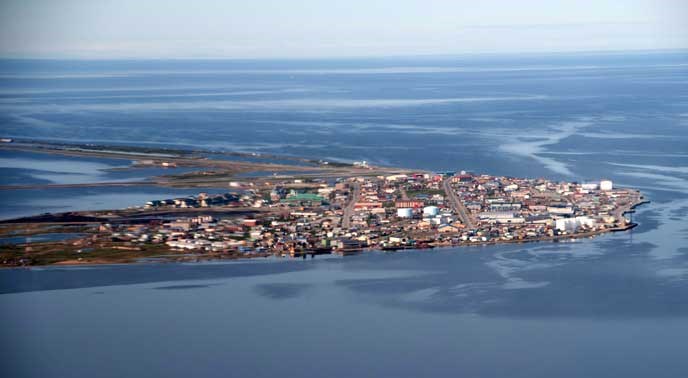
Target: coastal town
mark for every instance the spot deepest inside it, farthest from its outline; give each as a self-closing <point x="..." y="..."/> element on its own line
<point x="395" y="212"/>
<point x="348" y="215"/>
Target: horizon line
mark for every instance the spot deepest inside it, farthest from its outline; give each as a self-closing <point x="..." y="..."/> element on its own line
<point x="355" y="57"/>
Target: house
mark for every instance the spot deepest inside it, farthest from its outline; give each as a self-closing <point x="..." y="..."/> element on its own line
<point x="447" y="229"/>
<point x="367" y="205"/>
<point x="462" y="178"/>
<point x="424" y="225"/>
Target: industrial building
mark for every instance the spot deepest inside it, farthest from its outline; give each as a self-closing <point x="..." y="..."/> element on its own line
<point x="405" y="212"/>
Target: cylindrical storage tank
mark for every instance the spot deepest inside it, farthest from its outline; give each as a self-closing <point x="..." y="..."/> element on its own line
<point x="405" y="212"/>
<point x="431" y="211"/>
<point x="606" y="185"/>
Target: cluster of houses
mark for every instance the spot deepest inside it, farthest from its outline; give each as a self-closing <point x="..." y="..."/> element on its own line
<point x="201" y="200"/>
<point x="386" y="212"/>
<point x="516" y="208"/>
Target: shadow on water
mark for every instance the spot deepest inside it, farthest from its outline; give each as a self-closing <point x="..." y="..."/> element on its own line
<point x="650" y="219"/>
<point x="181" y="287"/>
<point x="282" y="290"/>
<point x="23" y="280"/>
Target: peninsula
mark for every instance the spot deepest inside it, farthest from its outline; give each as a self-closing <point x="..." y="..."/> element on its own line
<point x="283" y="206"/>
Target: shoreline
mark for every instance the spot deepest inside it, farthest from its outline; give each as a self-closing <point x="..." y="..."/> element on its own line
<point x="197" y="258"/>
<point x="185" y="258"/>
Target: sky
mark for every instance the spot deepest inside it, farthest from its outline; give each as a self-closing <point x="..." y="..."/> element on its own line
<point x="105" y="29"/>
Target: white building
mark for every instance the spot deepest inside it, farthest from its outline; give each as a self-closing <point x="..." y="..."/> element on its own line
<point x="558" y="210"/>
<point x="431" y="211"/>
<point x="405" y="212"/>
<point x="606" y="185"/>
<point x="500" y="217"/>
<point x="573" y="224"/>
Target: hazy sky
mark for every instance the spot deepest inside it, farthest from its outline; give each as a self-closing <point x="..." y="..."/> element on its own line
<point x="309" y="28"/>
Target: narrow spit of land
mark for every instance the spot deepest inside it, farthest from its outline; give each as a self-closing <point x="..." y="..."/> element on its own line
<point x="212" y="169"/>
<point x="322" y="208"/>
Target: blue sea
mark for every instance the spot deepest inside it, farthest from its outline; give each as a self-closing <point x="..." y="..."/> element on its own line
<point x="615" y="305"/>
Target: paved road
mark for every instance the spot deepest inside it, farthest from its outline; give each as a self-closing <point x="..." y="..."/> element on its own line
<point x="404" y="195"/>
<point x="457" y="205"/>
<point x="349" y="209"/>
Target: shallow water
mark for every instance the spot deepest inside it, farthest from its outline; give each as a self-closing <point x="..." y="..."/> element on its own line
<point x="39" y="238"/>
<point x="26" y="202"/>
<point x="26" y="168"/>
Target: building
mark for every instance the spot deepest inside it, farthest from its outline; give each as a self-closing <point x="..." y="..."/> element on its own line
<point x="348" y="244"/>
<point x="367" y="205"/>
<point x="448" y="228"/>
<point x="405" y="212"/>
<point x="560" y="210"/>
<point x="411" y="204"/>
<point x="310" y="198"/>
<point x="431" y="211"/>
<point x="500" y="217"/>
<point x="606" y="185"/>
<point x="573" y="224"/>
<point x="462" y="178"/>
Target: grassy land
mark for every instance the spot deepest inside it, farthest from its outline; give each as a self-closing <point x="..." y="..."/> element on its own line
<point x="65" y="252"/>
<point x="428" y="192"/>
<point x="30" y="229"/>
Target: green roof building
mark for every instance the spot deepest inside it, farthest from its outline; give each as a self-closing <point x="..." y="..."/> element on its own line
<point x="304" y="197"/>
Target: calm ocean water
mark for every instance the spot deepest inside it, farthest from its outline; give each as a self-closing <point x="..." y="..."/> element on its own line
<point x="611" y="306"/>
